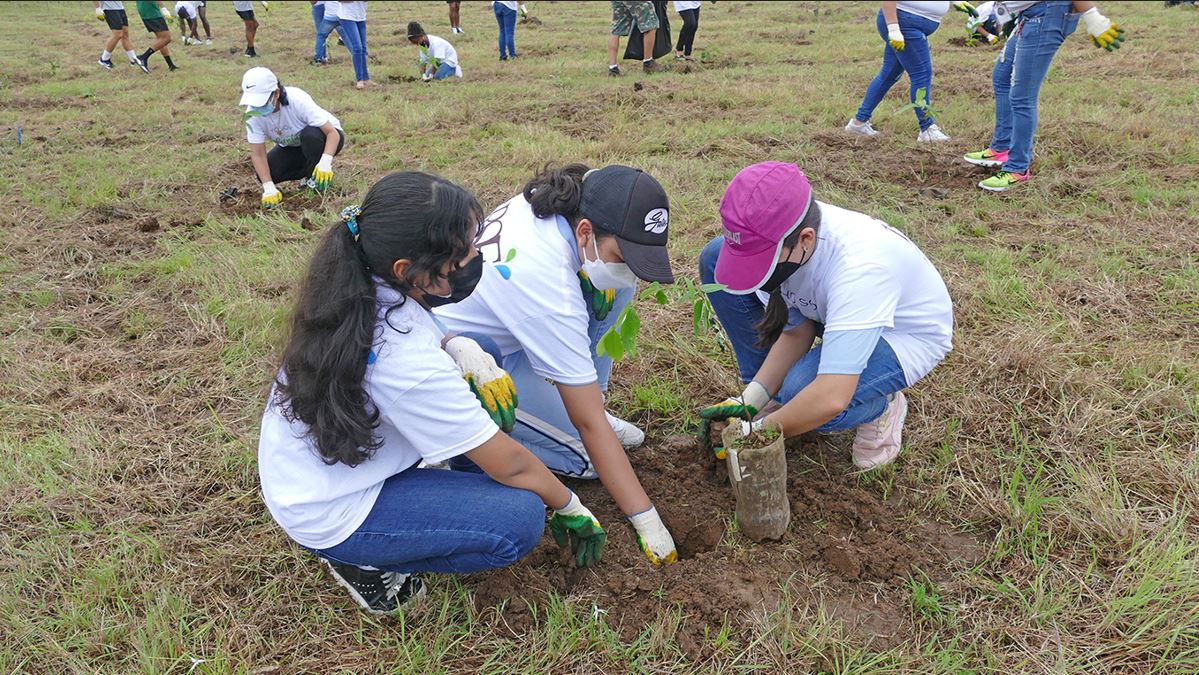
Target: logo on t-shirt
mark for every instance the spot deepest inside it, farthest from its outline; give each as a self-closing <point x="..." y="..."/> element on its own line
<point x="656" y="221"/>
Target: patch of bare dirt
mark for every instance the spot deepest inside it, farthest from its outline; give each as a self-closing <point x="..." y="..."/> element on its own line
<point x="860" y="547"/>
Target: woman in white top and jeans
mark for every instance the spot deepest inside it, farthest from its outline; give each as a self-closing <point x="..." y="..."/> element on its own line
<point x="370" y="386"/>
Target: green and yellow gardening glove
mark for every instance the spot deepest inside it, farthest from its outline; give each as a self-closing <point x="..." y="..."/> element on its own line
<point x="895" y="37"/>
<point x="967" y="8"/>
<point x="488" y="382"/>
<point x="599" y="300"/>
<point x="1104" y="32"/>
<point x="323" y="173"/>
<point x="575" y="525"/>
<point x="271" y="197"/>
<point x="744" y="407"/>
<point x="653" y="538"/>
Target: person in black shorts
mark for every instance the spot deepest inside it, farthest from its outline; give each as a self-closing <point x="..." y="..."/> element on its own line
<point x="154" y="16"/>
<point x="455" y="16"/>
<point x="185" y="12"/>
<point x="245" y="9"/>
<point x="118" y="22"/>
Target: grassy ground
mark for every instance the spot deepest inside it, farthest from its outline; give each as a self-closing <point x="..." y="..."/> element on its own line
<point x="142" y="317"/>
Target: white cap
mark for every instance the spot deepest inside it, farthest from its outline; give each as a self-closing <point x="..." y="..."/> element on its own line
<point x="257" y="85"/>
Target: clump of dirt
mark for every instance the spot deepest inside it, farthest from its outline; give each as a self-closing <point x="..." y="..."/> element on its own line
<point x="530" y="21"/>
<point x="402" y="78"/>
<point x="861" y="547"/>
<point x="149" y="224"/>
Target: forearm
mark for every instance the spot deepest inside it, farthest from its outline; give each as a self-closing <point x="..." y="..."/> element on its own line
<point x="614" y="469"/>
<point x="890" y="13"/>
<point x="331" y="139"/>
<point x="509" y="463"/>
<point x="1081" y="6"/>
<point x="822" y="400"/>
<point x="261" y="167"/>
<point x="789" y="348"/>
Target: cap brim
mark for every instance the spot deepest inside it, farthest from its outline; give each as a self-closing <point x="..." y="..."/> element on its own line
<point x="742" y="274"/>
<point x="255" y="98"/>
<point x="649" y="263"/>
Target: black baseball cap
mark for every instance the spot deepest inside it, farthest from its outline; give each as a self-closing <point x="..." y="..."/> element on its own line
<point x="632" y="205"/>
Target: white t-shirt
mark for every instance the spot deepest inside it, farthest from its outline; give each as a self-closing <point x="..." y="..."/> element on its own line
<point x="243" y="6"/>
<point x="985" y="11"/>
<point x="426" y="412"/>
<point x="352" y="10"/>
<point x="332" y="7"/>
<point x="681" y="6"/>
<point x="866" y="274"/>
<point x="510" y="4"/>
<point x="1017" y="6"/>
<point x="933" y="11"/>
<point x="443" y="51"/>
<point x="111" y="6"/>
<point x="284" y="126"/>
<point x="190" y="8"/>
<point x="533" y="301"/>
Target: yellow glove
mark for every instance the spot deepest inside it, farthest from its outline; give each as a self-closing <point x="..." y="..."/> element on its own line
<point x="967" y="8"/>
<point x="1104" y="32"/>
<point x="166" y="13"/>
<point x="895" y="37"/>
<point x="323" y="173"/>
<point x="266" y="6"/>
<point x="270" y="196"/>
<point x="575" y="524"/>
<point x="653" y="538"/>
<point x="99" y="14"/>
<point x="744" y="407"/>
<point x="488" y="382"/>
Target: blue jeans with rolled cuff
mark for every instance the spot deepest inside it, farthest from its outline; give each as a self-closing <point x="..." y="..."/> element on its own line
<point x="915" y="60"/>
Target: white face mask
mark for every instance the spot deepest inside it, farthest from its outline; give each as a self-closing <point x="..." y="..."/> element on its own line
<point x="607" y="276"/>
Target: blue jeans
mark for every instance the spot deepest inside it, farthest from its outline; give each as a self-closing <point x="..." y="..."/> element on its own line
<point x="443" y="71"/>
<point x="327" y="26"/>
<point x="431" y="520"/>
<point x="914" y="59"/>
<point x="1018" y="75"/>
<point x="318" y="15"/>
<point x="738" y="314"/>
<point x="354" y="35"/>
<point x="506" y="18"/>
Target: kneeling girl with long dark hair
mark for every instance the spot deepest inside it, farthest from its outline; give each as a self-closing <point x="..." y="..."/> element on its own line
<point x="368" y="390"/>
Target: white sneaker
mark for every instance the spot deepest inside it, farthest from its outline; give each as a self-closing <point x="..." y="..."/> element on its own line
<point x="626" y="432"/>
<point x="933" y="134"/>
<point x="862" y="129"/>
<point x="208" y="41"/>
<point x="877" y="443"/>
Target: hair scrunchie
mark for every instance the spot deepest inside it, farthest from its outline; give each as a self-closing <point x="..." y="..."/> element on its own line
<point x="349" y="215"/>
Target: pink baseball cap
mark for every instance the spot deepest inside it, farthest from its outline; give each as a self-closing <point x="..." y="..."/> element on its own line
<point x="763" y="204"/>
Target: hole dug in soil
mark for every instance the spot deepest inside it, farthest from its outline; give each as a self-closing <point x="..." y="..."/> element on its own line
<point x="846" y="550"/>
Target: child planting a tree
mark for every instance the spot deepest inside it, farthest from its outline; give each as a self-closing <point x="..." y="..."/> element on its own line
<point x="438" y="59"/>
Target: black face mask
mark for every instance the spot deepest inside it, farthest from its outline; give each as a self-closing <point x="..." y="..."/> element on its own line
<point x="462" y="283"/>
<point x="782" y="272"/>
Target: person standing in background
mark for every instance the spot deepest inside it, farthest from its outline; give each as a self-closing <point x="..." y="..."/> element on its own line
<point x="689" y="10"/>
<point x="202" y="12"/>
<point x="113" y="13"/>
<point x="352" y="17"/>
<point x="245" y="9"/>
<point x="185" y="12"/>
<point x="455" y="16"/>
<point x="505" y="16"/>
<point x="626" y="14"/>
<point x="154" y="16"/>
<point x="329" y="23"/>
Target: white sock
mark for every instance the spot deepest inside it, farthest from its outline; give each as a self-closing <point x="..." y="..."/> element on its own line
<point x="612" y="67"/>
<point x="105" y="55"/>
<point x="131" y="54"/>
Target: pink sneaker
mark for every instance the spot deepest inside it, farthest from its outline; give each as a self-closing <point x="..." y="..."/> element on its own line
<point x="877" y="443"/>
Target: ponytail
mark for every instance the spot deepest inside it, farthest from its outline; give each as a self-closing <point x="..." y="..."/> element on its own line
<point x="557" y="192"/>
<point x="409" y="215"/>
<point x="774" y="317"/>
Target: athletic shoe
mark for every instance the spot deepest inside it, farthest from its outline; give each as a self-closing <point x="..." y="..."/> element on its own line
<point x="877" y="443"/>
<point x="172" y="68"/>
<point x="650" y="67"/>
<point x="251" y="53"/>
<point x="988" y="158"/>
<point x="614" y="71"/>
<point x="376" y="591"/>
<point x="863" y="129"/>
<point x="1004" y="180"/>
<point x="626" y="432"/>
<point x="208" y="42"/>
<point x="933" y="134"/>
<point x="309" y="183"/>
<point x="143" y="65"/>
<point x="107" y="63"/>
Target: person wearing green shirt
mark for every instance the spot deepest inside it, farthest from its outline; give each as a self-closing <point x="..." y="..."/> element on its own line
<point x="154" y="15"/>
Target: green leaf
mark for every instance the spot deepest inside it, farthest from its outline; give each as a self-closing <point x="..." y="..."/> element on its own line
<point x="611" y="345"/>
<point x="651" y="291"/>
<point x="630" y="326"/>
<point x="696" y="320"/>
<point x="510" y="256"/>
<point x="712" y="288"/>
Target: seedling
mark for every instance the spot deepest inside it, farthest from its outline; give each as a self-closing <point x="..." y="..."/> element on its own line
<point x="621" y="338"/>
<point x="922" y="102"/>
<point x="428" y="59"/>
<point x="758" y="438"/>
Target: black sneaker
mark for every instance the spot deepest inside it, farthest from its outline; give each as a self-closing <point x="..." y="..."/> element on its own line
<point x="614" y="71"/>
<point x="107" y="63"/>
<point x="250" y="52"/>
<point x="143" y="65"/>
<point x="376" y="591"/>
<point x="649" y="67"/>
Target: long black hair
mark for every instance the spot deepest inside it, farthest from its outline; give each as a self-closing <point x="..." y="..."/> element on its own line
<point x="558" y="191"/>
<point x="774" y="317"/>
<point x="413" y="215"/>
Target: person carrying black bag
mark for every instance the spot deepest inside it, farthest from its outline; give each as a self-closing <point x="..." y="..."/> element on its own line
<point x="639" y="16"/>
<point x="635" y="50"/>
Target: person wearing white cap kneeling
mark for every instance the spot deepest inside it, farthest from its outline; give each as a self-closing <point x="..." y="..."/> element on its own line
<point x="307" y="137"/>
<point x="562" y="261"/>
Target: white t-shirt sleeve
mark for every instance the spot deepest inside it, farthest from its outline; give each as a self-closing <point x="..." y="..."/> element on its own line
<point x="557" y="346"/>
<point x="306" y="109"/>
<point x="439" y="416"/>
<point x="254" y="133"/>
<point x="867" y="298"/>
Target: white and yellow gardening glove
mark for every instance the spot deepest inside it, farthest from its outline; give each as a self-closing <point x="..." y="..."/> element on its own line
<point x="99" y="14"/>
<point x="1104" y="32"/>
<point x="266" y="6"/>
<point x="489" y="383"/>
<point x="323" y="173"/>
<point x="271" y="197"/>
<point x="166" y="13"/>
<point x="744" y="407"/>
<point x="653" y="538"/>
<point x="895" y="37"/>
<point x="524" y="11"/>
<point x="575" y="525"/>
